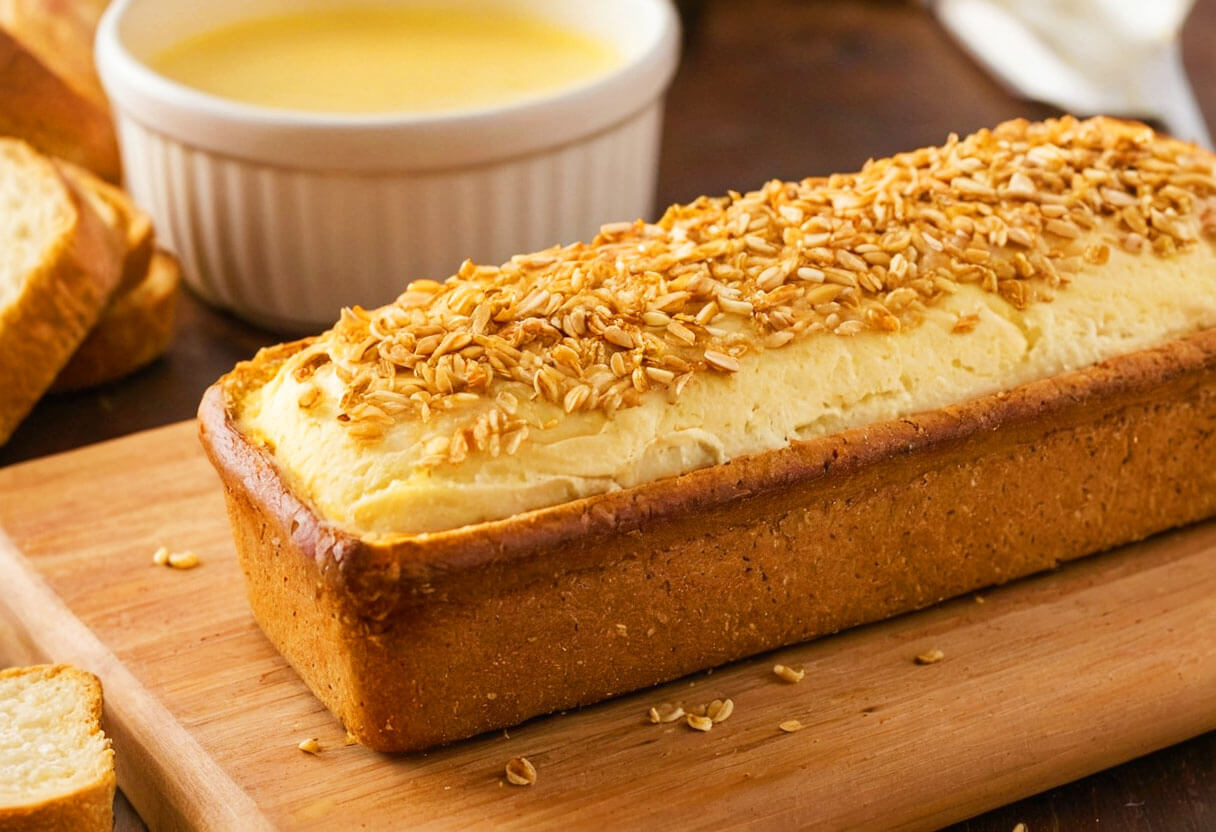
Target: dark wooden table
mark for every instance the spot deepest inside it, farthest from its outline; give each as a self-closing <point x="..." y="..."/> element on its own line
<point x="767" y="88"/>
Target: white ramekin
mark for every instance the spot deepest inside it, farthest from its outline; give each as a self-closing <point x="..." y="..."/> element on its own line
<point x="284" y="217"/>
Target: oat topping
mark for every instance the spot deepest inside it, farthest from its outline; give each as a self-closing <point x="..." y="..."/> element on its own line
<point x="644" y="307"/>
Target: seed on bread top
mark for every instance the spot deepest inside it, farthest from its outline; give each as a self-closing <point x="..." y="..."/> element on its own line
<point x="1013" y="210"/>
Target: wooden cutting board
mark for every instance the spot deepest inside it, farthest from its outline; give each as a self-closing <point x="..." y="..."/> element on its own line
<point x="1044" y="681"/>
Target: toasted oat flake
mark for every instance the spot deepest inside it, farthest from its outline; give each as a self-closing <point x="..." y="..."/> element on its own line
<point x="930" y="657"/>
<point x="161" y="556"/>
<point x="520" y="772"/>
<point x="668" y="712"/>
<point x="654" y="716"/>
<point x="310" y="746"/>
<point x="790" y="726"/>
<point x="788" y="674"/>
<point x="699" y="723"/>
<point x="720" y="710"/>
<point x="183" y="560"/>
<point x="1020" y="827"/>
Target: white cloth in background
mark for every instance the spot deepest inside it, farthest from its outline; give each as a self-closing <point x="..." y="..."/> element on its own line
<point x="1117" y="57"/>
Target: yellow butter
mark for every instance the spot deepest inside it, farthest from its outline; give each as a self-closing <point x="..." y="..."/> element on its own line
<point x="367" y="60"/>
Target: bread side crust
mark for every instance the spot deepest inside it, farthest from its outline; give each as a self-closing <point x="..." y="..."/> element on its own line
<point x="90" y="809"/>
<point x="424" y="639"/>
<point x="55" y="311"/>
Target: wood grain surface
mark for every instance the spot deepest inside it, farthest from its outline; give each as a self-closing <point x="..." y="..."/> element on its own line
<point x="765" y="88"/>
<point x="1044" y="681"/>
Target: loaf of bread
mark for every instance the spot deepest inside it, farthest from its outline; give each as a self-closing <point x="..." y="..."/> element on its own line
<point x="56" y="765"/>
<point x="763" y="418"/>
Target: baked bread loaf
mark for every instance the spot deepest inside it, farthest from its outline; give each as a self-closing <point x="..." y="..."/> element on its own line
<point x="56" y="765"/>
<point x="61" y="264"/>
<point x="761" y="419"/>
<point x="133" y="331"/>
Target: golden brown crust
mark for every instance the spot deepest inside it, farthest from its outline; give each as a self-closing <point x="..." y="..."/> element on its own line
<point x="135" y="329"/>
<point x="54" y="313"/>
<point x="40" y="107"/>
<point x="88" y="810"/>
<point x="429" y="638"/>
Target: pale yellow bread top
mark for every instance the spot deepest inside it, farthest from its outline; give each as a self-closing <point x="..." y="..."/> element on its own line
<point x="345" y="416"/>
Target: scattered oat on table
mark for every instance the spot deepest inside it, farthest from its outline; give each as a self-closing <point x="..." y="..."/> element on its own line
<point x="310" y="746"/>
<point x="788" y="674"/>
<point x="700" y="723"/>
<point x="520" y="772"/>
<point x="930" y="657"/>
<point x="161" y="556"/>
<point x="790" y="726"/>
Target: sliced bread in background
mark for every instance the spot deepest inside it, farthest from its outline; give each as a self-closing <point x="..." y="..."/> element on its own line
<point x="42" y="107"/>
<point x="132" y="228"/>
<point x="134" y="330"/>
<point x="59" y="267"/>
<point x="56" y="764"/>
<point x="60" y="33"/>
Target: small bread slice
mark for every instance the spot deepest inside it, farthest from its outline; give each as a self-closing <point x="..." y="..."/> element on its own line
<point x="56" y="765"/>
<point x="38" y="105"/>
<point x="135" y="329"/>
<point x="132" y="228"/>
<point x="58" y="270"/>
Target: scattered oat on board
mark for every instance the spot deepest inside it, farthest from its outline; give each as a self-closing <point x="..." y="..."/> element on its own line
<point x="790" y="726"/>
<point x="720" y="710"/>
<point x="175" y="560"/>
<point x="310" y="746"/>
<point x="183" y="560"/>
<point x="788" y="674"/>
<point x="700" y="723"/>
<point x="520" y="772"/>
<point x="666" y="712"/>
<point x="646" y="307"/>
<point x="930" y="657"/>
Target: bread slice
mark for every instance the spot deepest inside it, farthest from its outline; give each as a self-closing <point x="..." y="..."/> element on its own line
<point x="58" y="270"/>
<point x="131" y="227"/>
<point x="135" y="329"/>
<point x="38" y="105"/>
<point x="56" y="765"/>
